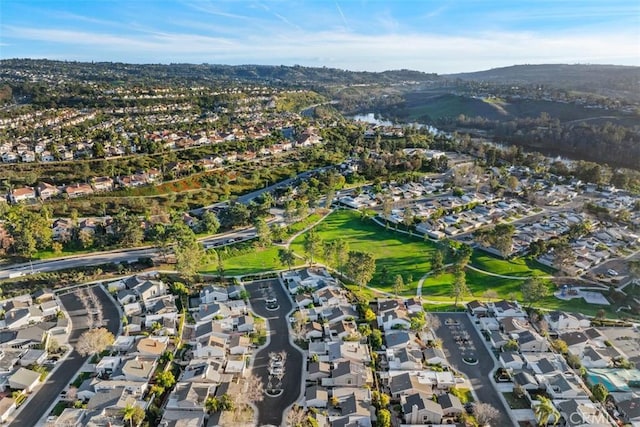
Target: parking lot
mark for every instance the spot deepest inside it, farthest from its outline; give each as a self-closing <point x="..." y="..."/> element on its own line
<point x="460" y="340"/>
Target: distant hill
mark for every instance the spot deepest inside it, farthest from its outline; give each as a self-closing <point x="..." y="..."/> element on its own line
<point x="271" y="74"/>
<point x="603" y="79"/>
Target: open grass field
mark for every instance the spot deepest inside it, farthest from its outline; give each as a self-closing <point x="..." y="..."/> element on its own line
<point x="396" y="253"/>
<point x="250" y="263"/>
<point x="409" y="256"/>
<point x="524" y="267"/>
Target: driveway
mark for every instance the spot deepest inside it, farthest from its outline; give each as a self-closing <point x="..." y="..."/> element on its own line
<point x="48" y="393"/>
<point x="460" y="340"/>
<point x="271" y="409"/>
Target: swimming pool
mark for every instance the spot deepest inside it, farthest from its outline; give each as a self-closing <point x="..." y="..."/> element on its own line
<point x="597" y="378"/>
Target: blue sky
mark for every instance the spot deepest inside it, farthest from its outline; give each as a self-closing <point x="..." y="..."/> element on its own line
<point x="433" y="36"/>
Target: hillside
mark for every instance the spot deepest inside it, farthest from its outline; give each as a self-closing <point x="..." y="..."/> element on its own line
<point x="602" y="79"/>
<point x="11" y="69"/>
<point x="432" y="108"/>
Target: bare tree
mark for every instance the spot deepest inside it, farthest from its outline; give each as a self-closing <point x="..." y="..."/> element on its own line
<point x="431" y="322"/>
<point x="485" y="414"/>
<point x="297" y="417"/>
<point x="94" y="341"/>
<point x="254" y="389"/>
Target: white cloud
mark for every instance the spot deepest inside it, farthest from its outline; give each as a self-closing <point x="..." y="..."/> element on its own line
<point x="341" y="49"/>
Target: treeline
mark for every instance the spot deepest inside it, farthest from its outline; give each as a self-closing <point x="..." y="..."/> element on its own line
<point x="603" y="143"/>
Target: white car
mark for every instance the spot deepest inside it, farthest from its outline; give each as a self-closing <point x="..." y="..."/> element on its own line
<point x="611" y="272"/>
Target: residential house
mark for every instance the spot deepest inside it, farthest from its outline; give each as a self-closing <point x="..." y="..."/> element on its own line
<point x="189" y="396"/>
<point x="316" y="397"/>
<point x="629" y="409"/>
<point x="24" y="379"/>
<point x="62" y="230"/>
<point x="579" y="413"/>
<point x="434" y="356"/>
<point x="318" y="370"/>
<point x="530" y="341"/>
<point x="477" y="308"/>
<point x="313" y="330"/>
<point x="560" y="386"/>
<point x="576" y="341"/>
<point x="213" y="347"/>
<point x="404" y="359"/>
<point x="22" y="194"/>
<point x="7" y="406"/>
<point x="420" y="409"/>
<point x="152" y="346"/>
<point x="78" y="190"/>
<point x="212" y="294"/>
<point x="560" y="321"/>
<point x="511" y="360"/>
<point x="506" y="308"/>
<point x="139" y="368"/>
<point x="349" y="374"/>
<point x="450" y="404"/>
<point x="407" y="383"/>
<point x="239" y="345"/>
<point x="47" y="191"/>
<point x="102" y="183"/>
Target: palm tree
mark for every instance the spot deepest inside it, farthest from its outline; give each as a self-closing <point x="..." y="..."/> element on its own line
<point x="133" y="413"/>
<point x="545" y="411"/>
<point x="212" y="404"/>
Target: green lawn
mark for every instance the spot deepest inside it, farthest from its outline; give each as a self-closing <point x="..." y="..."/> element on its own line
<point x="407" y="255"/>
<point x="399" y="253"/>
<point x="525" y="266"/>
<point x="250" y="263"/>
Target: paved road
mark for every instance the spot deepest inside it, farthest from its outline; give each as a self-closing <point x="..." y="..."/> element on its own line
<point x="477" y="374"/>
<point x="116" y="256"/>
<point x="270" y="410"/>
<point x="34" y="409"/>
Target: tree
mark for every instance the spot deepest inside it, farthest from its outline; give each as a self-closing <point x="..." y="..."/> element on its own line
<point x="94" y="341"/>
<point x="459" y="288"/>
<point x="503" y="238"/>
<point x="189" y="256"/>
<point x="209" y="223"/>
<point x="398" y="284"/>
<point x="254" y="389"/>
<point x="86" y="238"/>
<point x="165" y="379"/>
<point x="485" y="413"/>
<point x="384" y="418"/>
<point x="407" y="219"/>
<point x="545" y="411"/>
<point x="342" y="253"/>
<point x="297" y="417"/>
<point x="263" y="232"/>
<point x="286" y="257"/>
<point x="563" y="255"/>
<point x="376" y="339"/>
<point x="489" y="294"/>
<point x="212" y="405"/>
<point x="387" y="207"/>
<point x="360" y="267"/>
<point x="511" y="345"/>
<point x="31" y="231"/>
<point x="312" y="244"/>
<point x="600" y="392"/>
<point x="533" y="289"/>
<point x="133" y="413"/>
<point x="560" y="346"/>
<point x="512" y="183"/>
<point x="437" y="262"/>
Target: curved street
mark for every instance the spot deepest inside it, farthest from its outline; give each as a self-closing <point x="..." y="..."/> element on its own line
<point x="66" y="371"/>
<point x="271" y="409"/>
